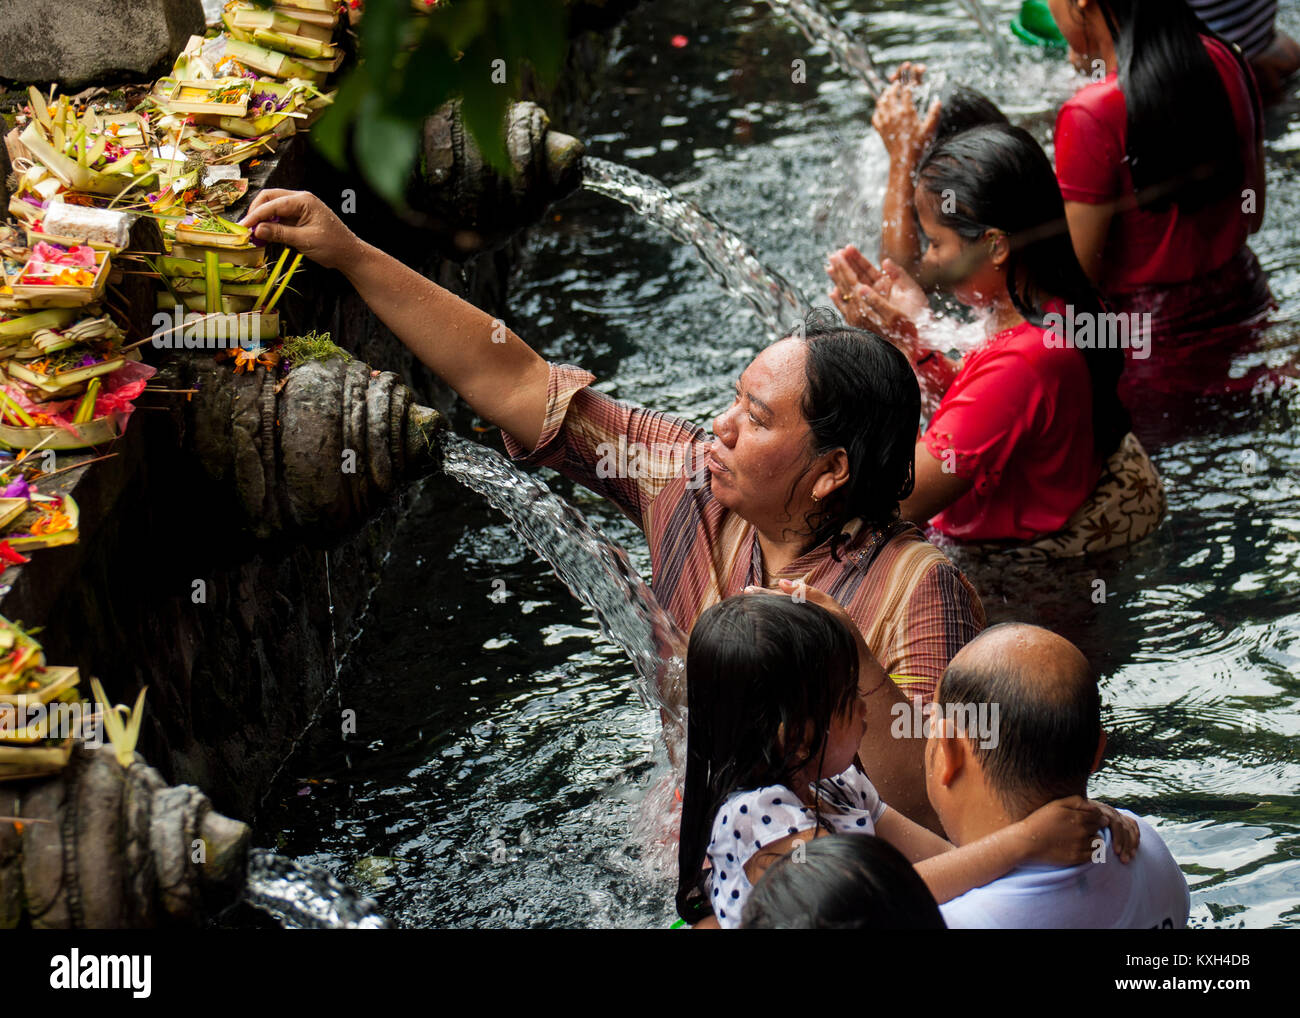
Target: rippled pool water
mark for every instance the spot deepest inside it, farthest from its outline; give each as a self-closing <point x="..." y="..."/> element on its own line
<point x="502" y="752"/>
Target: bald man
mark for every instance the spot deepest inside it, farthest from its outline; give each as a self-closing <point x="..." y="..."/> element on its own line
<point x="1046" y="742"/>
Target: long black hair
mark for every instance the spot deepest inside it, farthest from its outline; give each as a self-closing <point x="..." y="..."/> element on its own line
<point x="961" y="108"/>
<point x="861" y="395"/>
<point x="842" y="882"/>
<point x="1182" y="145"/>
<point x="762" y="674"/>
<point x="998" y="178"/>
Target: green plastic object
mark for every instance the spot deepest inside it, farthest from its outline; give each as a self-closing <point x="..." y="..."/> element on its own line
<point x="1035" y="26"/>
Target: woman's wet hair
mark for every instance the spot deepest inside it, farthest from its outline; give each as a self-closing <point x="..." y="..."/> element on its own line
<point x="1182" y="142"/>
<point x="842" y="882"/>
<point x="961" y="108"/>
<point x="862" y="396"/>
<point x="765" y="678"/>
<point x="997" y="177"/>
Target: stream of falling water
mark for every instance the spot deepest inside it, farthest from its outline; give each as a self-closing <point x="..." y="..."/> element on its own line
<point x="819" y="26"/>
<point x="594" y="568"/>
<point x="732" y="262"/>
<point x="987" y="26"/>
<point x="305" y="897"/>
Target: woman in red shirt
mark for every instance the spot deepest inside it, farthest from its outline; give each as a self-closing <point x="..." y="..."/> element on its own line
<point x="1030" y="442"/>
<point x="1160" y="162"/>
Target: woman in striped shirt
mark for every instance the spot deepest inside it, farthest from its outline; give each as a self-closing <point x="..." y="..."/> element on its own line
<point x="802" y="481"/>
<point x="1251" y="25"/>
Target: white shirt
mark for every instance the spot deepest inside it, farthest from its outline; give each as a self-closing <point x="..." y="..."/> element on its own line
<point x="749" y="820"/>
<point x="1149" y="892"/>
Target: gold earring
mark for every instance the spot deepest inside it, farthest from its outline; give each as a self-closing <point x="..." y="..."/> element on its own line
<point x="815" y="498"/>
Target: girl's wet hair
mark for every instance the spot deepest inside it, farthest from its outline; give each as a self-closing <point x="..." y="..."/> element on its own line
<point x="997" y="177"/>
<point x="961" y="108"/>
<point x="862" y="396"/>
<point x="1182" y="142"/>
<point x="765" y="678"/>
<point x="842" y="882"/>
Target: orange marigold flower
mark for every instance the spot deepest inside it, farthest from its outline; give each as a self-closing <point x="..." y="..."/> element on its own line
<point x="55" y="523"/>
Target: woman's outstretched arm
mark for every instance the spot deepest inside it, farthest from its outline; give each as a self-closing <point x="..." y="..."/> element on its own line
<point x="492" y="369"/>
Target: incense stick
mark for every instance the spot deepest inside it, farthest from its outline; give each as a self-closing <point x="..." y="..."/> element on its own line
<point x="187" y="324"/>
<point x="74" y="466"/>
<point x="23" y="454"/>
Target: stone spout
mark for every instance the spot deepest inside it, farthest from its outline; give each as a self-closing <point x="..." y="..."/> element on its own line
<point x="99" y="846"/>
<point x="473" y="208"/>
<point x="315" y="453"/>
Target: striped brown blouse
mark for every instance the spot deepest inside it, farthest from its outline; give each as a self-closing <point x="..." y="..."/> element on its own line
<point x="914" y="607"/>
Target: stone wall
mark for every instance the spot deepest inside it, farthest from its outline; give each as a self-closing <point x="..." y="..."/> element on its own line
<point x="73" y="43"/>
<point x="237" y="639"/>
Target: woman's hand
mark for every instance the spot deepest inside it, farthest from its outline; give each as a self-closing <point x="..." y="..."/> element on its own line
<point x="303" y="221"/>
<point x="884" y="301"/>
<point x="800" y="591"/>
<point x="1124" y="832"/>
<point x="898" y="122"/>
<point x="908" y="72"/>
<point x="1065" y="832"/>
<point x="850" y="267"/>
<point x="893" y="283"/>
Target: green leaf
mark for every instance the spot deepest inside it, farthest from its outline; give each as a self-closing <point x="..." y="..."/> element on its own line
<point x="462" y="23"/>
<point x="412" y="63"/>
<point x="330" y="134"/>
<point x="381" y="34"/>
<point x="385" y="148"/>
<point x="212" y="282"/>
<point x="121" y="735"/>
<point x="483" y="111"/>
<point x="270" y="280"/>
<point x="165" y="281"/>
<point x="427" y="81"/>
<point x="536" y="31"/>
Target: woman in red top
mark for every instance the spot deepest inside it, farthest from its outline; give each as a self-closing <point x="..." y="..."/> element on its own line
<point x="1027" y="422"/>
<point x="1161" y="165"/>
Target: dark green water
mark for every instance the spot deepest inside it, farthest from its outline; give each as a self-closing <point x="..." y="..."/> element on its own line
<point x="501" y="751"/>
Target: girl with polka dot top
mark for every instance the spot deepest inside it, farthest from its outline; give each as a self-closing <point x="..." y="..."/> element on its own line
<point x="776" y="692"/>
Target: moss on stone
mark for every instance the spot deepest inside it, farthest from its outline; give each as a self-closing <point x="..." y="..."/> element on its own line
<point x="314" y="346"/>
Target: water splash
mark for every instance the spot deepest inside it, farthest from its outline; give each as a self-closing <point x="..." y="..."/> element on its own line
<point x="819" y="26"/>
<point x="987" y="26"/>
<point x="735" y="265"/>
<point x="304" y="897"/>
<point x="594" y="568"/>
